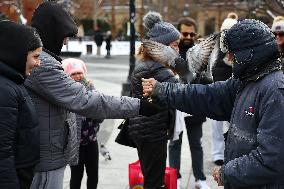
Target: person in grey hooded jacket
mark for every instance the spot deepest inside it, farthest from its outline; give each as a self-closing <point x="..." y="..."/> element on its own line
<point x="55" y="94"/>
<point x="253" y="102"/>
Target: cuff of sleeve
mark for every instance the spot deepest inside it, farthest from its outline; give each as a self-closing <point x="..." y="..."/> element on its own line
<point x="159" y="94"/>
<point x="222" y="174"/>
<point x="157" y="90"/>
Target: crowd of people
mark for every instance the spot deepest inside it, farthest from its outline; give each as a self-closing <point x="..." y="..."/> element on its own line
<point x="51" y="113"/>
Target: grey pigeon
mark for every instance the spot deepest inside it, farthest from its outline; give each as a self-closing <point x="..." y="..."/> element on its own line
<point x="105" y="152"/>
<point x="201" y="57"/>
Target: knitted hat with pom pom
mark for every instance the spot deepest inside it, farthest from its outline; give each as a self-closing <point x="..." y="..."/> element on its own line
<point x="158" y="30"/>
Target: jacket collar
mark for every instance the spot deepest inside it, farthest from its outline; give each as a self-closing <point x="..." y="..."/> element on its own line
<point x="52" y="54"/>
<point x="11" y="73"/>
<point x="266" y="69"/>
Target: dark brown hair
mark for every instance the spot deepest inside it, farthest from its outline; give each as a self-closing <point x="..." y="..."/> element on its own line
<point x="186" y="21"/>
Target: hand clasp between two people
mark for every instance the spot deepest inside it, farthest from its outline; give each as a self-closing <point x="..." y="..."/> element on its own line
<point x="148" y="86"/>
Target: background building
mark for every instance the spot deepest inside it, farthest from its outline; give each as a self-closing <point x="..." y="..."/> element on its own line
<point x="114" y="14"/>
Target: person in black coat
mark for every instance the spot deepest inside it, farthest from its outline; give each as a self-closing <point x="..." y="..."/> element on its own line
<point x="278" y="30"/>
<point x="20" y="47"/>
<point x="150" y="134"/>
<point x="99" y="39"/>
<point x="221" y="71"/>
<point x="187" y="28"/>
<point x="108" y="43"/>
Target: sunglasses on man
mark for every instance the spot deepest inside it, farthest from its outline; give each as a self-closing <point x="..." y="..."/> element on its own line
<point x="191" y="34"/>
<point x="280" y="34"/>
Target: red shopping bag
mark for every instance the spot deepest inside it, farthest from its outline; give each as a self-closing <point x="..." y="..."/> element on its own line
<point x="136" y="179"/>
<point x="170" y="178"/>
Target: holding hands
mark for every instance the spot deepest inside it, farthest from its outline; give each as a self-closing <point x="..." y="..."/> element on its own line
<point x="148" y="86"/>
<point x="217" y="176"/>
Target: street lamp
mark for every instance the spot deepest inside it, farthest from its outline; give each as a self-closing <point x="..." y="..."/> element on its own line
<point x="126" y="87"/>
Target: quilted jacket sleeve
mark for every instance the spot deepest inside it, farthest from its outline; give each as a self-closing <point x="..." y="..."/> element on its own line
<point x="215" y="101"/>
<point x="50" y="81"/>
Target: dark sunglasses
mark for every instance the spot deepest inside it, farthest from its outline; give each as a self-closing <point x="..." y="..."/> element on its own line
<point x="280" y="34"/>
<point x="185" y="34"/>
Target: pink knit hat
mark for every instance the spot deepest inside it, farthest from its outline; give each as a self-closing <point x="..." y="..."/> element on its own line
<point x="73" y="65"/>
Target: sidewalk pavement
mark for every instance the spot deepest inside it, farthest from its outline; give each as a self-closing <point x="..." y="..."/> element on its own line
<point x="113" y="174"/>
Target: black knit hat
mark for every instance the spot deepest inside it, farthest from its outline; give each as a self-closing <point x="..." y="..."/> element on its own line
<point x="253" y="45"/>
<point x="15" y="42"/>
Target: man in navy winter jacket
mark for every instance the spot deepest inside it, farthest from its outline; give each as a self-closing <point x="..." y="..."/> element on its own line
<point x="253" y="102"/>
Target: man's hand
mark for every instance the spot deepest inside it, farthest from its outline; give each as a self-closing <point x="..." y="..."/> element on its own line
<point x="217" y="176"/>
<point x="148" y="86"/>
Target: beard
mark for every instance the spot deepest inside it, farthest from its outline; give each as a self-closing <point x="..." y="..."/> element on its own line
<point x="186" y="44"/>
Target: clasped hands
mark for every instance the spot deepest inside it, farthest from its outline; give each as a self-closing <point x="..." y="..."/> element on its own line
<point x="148" y="86"/>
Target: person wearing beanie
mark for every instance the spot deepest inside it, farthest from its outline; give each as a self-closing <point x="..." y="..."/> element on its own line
<point x="252" y="100"/>
<point x="73" y="66"/>
<point x="228" y="23"/>
<point x="188" y="28"/>
<point x="278" y="31"/>
<point x="56" y="95"/>
<point x="20" y="47"/>
<point x="150" y="134"/>
<point x="221" y="71"/>
<point x="88" y="150"/>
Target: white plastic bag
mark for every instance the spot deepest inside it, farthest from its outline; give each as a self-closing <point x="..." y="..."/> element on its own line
<point x="179" y="124"/>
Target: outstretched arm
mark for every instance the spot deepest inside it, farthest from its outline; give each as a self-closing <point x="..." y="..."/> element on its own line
<point x="214" y="101"/>
<point x="51" y="83"/>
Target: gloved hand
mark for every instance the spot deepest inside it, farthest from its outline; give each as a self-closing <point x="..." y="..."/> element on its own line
<point x="183" y="70"/>
<point x="149" y="109"/>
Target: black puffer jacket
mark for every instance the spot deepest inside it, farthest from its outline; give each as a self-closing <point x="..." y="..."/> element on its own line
<point x="161" y="125"/>
<point x="19" y="134"/>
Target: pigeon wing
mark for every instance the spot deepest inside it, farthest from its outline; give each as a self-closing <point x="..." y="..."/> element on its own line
<point x="161" y="53"/>
<point x="213" y="58"/>
<point x="199" y="54"/>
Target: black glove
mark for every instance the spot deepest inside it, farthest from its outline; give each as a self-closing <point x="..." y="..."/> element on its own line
<point x="182" y="69"/>
<point x="148" y="109"/>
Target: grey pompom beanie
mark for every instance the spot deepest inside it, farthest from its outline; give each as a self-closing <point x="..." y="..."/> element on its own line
<point x="158" y="30"/>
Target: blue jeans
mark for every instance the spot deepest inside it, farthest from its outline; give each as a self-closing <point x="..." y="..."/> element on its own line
<point x="194" y="134"/>
<point x="49" y="179"/>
